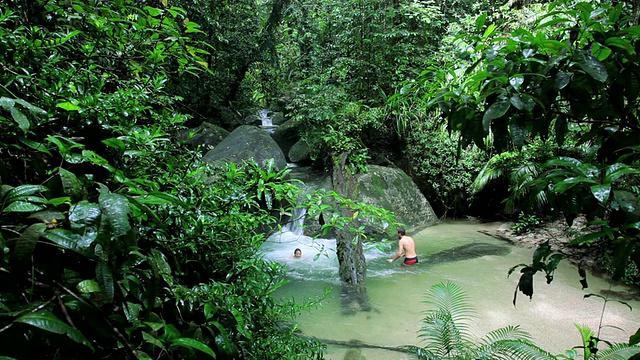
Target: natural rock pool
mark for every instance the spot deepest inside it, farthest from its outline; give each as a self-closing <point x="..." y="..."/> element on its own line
<point x="452" y="251"/>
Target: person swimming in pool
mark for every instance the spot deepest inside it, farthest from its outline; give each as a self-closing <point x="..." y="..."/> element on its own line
<point x="297" y="253"/>
<point x="406" y="246"/>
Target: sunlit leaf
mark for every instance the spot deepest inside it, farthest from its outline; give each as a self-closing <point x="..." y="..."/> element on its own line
<point x="68" y="106"/>
<point x="88" y="286"/>
<point x="601" y="192"/>
<point x="480" y="21"/>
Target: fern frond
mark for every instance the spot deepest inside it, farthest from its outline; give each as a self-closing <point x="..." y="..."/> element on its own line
<point x="517" y="349"/>
<point x="506" y="333"/>
<point x="489" y="172"/>
<point x="445" y="329"/>
<point x="619" y="351"/>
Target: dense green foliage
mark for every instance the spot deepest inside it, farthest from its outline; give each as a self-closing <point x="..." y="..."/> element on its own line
<point x="576" y="71"/>
<point x="116" y="241"/>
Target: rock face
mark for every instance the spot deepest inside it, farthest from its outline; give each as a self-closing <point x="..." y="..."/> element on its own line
<point x="244" y="143"/>
<point x="286" y="135"/>
<point x="206" y="136"/>
<point x="300" y="153"/>
<point x="391" y="189"/>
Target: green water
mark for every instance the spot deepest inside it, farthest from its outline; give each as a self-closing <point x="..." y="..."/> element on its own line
<point x="456" y="252"/>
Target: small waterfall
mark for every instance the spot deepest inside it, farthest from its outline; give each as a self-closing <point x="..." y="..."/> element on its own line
<point x="267" y="121"/>
<point x="296" y="222"/>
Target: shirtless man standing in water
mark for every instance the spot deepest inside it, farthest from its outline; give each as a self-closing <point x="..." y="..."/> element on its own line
<point x="407" y="246"/>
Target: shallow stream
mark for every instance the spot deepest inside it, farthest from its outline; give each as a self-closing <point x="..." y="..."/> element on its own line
<point x="456" y="252"/>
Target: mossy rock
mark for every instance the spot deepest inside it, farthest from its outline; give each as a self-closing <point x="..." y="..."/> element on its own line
<point x="244" y="143"/>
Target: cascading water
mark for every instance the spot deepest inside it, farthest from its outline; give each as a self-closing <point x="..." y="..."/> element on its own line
<point x="267" y="121"/>
<point x="297" y="220"/>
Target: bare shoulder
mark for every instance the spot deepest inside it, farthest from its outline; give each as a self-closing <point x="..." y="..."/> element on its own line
<point x="406" y="240"/>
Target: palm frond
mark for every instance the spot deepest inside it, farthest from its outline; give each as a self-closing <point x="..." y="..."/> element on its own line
<point x="524" y="173"/>
<point x="506" y="333"/>
<point x="445" y="329"/>
<point x="587" y="334"/>
<point x="450" y="298"/>
<point x="486" y="174"/>
<point x="618" y="351"/>
<point x="515" y="349"/>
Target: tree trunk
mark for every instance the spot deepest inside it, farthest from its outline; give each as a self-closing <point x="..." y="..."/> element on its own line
<point x="350" y="253"/>
<point x="349" y="250"/>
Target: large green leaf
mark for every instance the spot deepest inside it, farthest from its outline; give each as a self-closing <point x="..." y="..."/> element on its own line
<point x="23" y="206"/>
<point x="562" y="80"/>
<point x="20" y="192"/>
<point x="566" y="184"/>
<point x="591" y="65"/>
<point x="21" y="119"/>
<point x="115" y="211"/>
<point x="26" y="243"/>
<point x="104" y="276"/>
<point x="193" y="344"/>
<point x="496" y="110"/>
<point x="34" y="145"/>
<point x="72" y="241"/>
<point x="70" y="183"/>
<point x="88" y="286"/>
<point x="68" y="106"/>
<point x="84" y="217"/>
<point x="601" y="192"/>
<point x="45" y="320"/>
<point x="621" y="43"/>
<point x="616" y="171"/>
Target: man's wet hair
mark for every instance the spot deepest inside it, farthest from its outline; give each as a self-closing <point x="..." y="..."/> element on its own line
<point x="401" y="230"/>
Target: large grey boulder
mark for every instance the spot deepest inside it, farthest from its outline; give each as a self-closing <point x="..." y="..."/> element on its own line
<point x="388" y="188"/>
<point x="244" y="143"/>
<point x="287" y="134"/>
<point x="392" y="189"/>
<point x="300" y="153"/>
<point x="252" y="120"/>
<point x="206" y="136"/>
<point x="277" y="118"/>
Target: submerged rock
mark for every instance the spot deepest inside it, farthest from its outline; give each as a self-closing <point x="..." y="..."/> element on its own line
<point x="466" y="252"/>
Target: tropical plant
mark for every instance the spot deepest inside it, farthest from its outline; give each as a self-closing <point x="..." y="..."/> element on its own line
<point x="115" y="240"/>
<point x="448" y="335"/>
<point x="558" y="77"/>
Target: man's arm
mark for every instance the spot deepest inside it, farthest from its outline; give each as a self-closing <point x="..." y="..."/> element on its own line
<point x="400" y="250"/>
